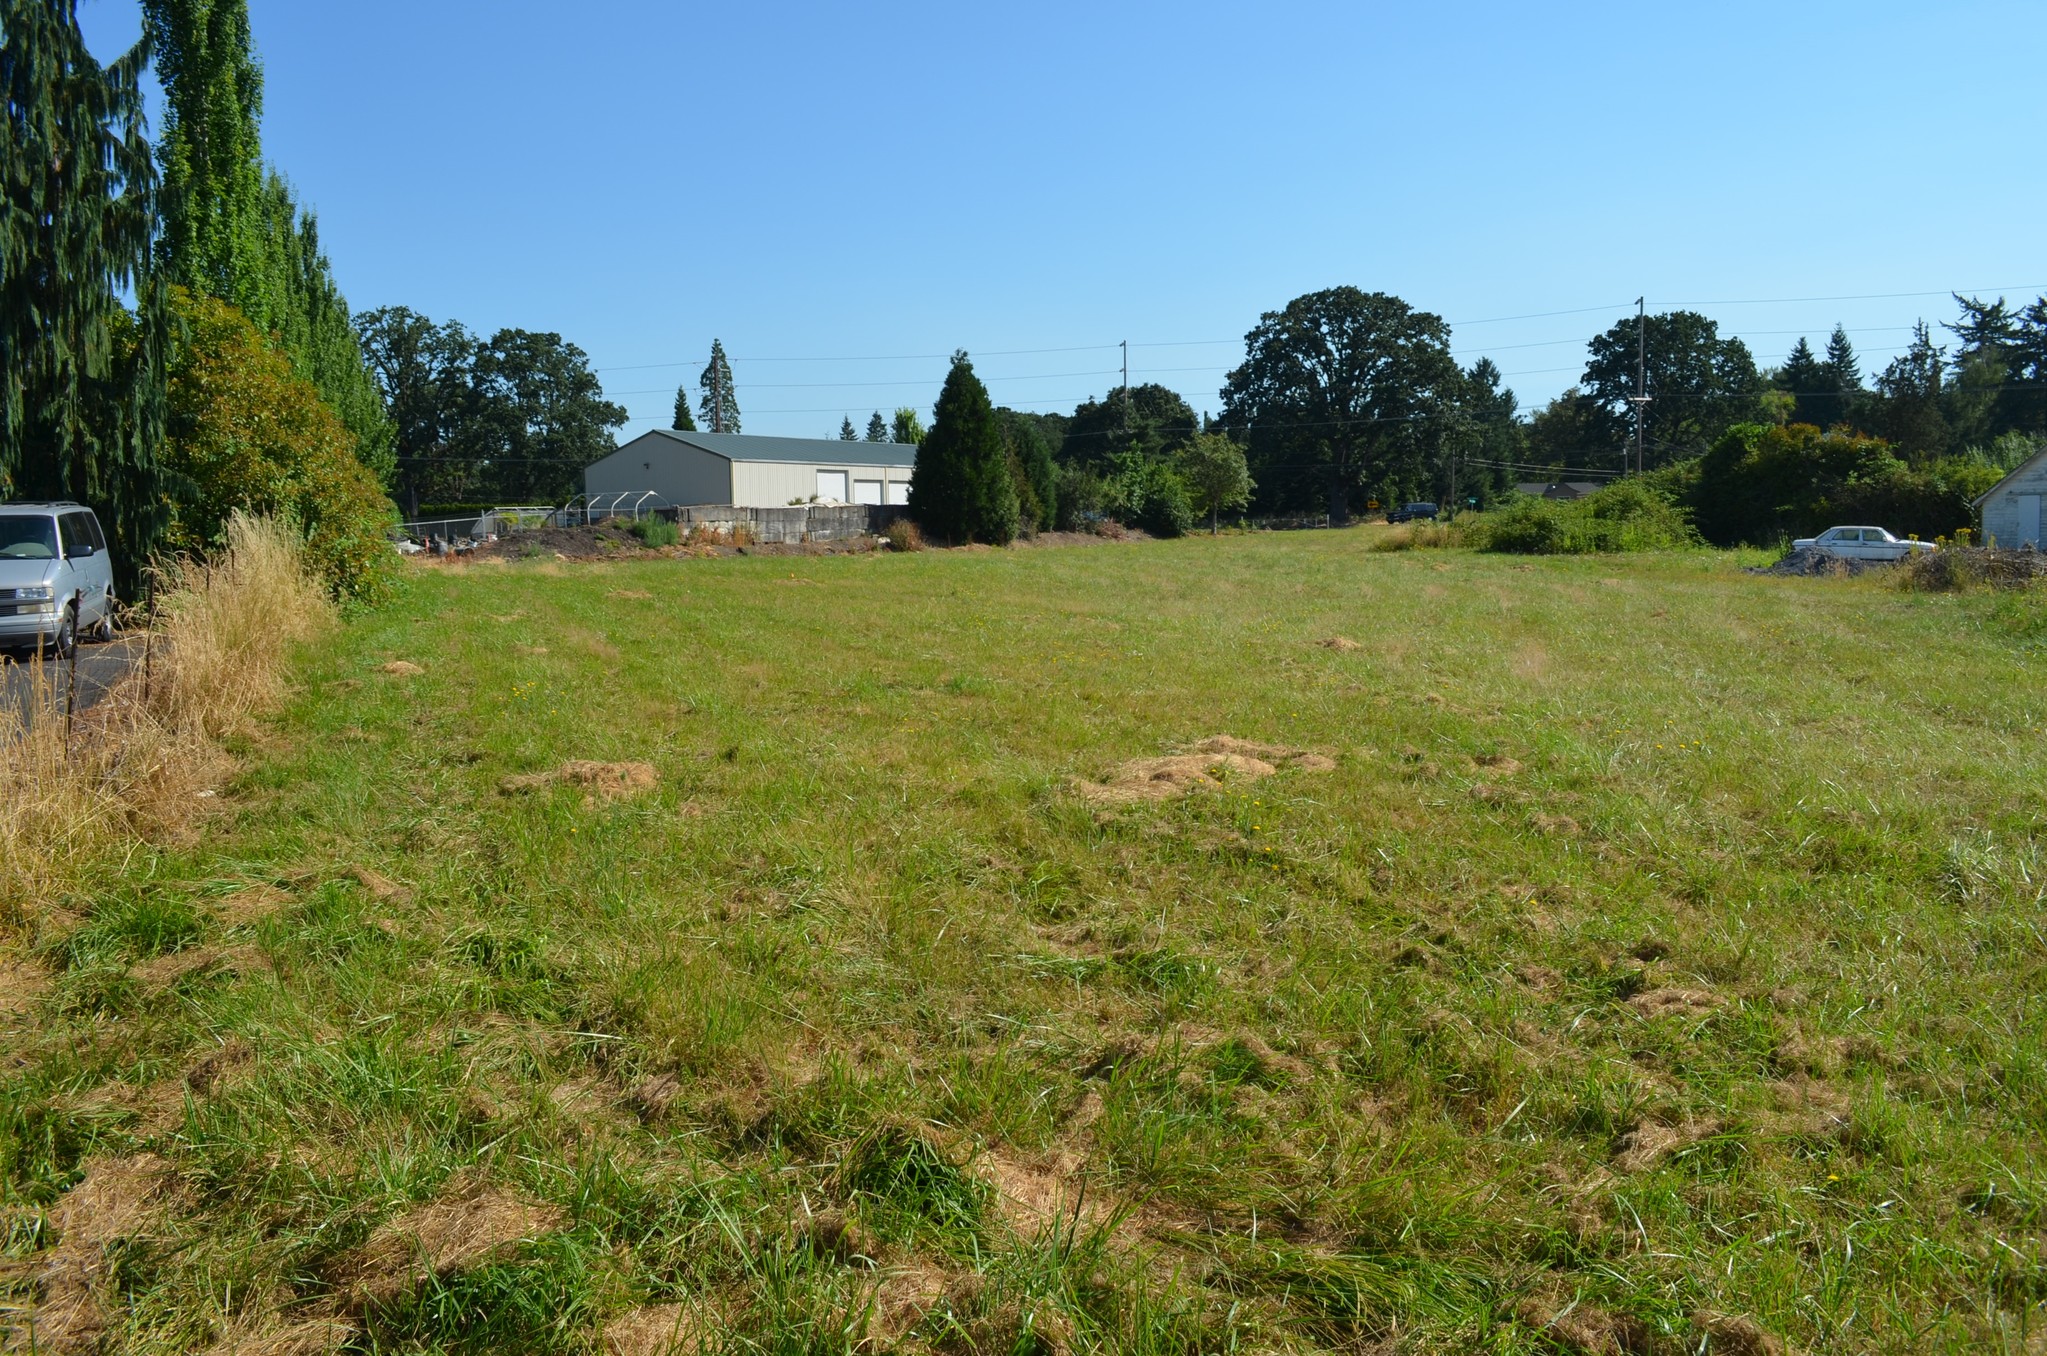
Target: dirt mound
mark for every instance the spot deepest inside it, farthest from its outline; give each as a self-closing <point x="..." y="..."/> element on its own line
<point x="251" y="905"/>
<point x="1675" y="1002"/>
<point x="400" y="668"/>
<point x="1963" y="567"/>
<point x="1340" y="644"/>
<point x="383" y="887"/>
<point x="1586" y="1328"/>
<point x="609" y="780"/>
<point x="1733" y="1335"/>
<point x="1650" y="1142"/>
<point x="1031" y="1195"/>
<point x="1213" y="761"/>
<point x="466" y="1225"/>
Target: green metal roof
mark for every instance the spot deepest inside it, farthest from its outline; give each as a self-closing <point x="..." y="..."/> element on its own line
<point x="810" y="451"/>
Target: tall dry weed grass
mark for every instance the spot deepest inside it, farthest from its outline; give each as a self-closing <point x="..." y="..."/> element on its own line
<point x="74" y="792"/>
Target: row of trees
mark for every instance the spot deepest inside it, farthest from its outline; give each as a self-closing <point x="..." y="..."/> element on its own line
<point x="1932" y="401"/>
<point x="905" y="427"/>
<point x="510" y="419"/>
<point x="172" y="341"/>
<point x="988" y="474"/>
<point x="1348" y="398"/>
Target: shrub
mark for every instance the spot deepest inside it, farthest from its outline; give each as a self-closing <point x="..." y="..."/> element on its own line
<point x="247" y="434"/>
<point x="1420" y="537"/>
<point x="902" y="535"/>
<point x="1625" y="516"/>
<point x="655" y="533"/>
<point x="1150" y="494"/>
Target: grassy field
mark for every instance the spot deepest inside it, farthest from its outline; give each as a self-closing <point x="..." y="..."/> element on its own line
<point x="1659" y="967"/>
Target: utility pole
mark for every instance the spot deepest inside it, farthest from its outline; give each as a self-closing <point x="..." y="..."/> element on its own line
<point x="717" y="399"/>
<point x="1641" y="400"/>
<point x="1125" y="344"/>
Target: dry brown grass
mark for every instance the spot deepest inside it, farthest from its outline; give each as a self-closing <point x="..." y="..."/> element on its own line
<point x="132" y="767"/>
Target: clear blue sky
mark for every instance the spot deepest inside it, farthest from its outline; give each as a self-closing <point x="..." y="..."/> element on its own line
<point x="845" y="194"/>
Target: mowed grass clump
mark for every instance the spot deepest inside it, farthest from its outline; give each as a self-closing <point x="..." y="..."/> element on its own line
<point x="883" y="952"/>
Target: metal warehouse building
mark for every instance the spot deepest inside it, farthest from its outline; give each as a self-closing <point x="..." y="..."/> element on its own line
<point x="754" y="472"/>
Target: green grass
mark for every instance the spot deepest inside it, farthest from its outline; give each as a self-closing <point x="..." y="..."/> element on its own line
<point x="1362" y="1055"/>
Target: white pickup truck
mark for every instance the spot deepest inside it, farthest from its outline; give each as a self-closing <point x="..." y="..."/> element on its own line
<point x="1861" y="543"/>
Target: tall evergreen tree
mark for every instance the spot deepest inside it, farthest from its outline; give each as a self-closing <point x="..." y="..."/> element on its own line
<point x="846" y="431"/>
<point x="1802" y="377"/>
<point x="683" y="422"/>
<point x="962" y="491"/>
<point x="234" y="231"/>
<point x="1908" y="402"/>
<point x="1842" y="381"/>
<point x="877" y="428"/>
<point x="81" y="378"/>
<point x="720" y="405"/>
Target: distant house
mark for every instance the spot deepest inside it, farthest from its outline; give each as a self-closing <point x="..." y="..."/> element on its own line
<point x="2011" y="507"/>
<point x="1558" y="489"/>
<point x="754" y="472"/>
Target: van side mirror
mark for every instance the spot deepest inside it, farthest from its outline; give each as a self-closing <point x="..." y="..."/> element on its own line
<point x="80" y="551"/>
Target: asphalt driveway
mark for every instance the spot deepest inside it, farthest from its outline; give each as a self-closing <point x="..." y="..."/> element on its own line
<point x="100" y="666"/>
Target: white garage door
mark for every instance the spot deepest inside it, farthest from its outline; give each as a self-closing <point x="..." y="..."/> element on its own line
<point x="832" y="485"/>
<point x="899" y="492"/>
<point x="867" y="492"/>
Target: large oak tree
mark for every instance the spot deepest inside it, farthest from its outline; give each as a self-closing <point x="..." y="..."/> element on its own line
<point x="1342" y="395"/>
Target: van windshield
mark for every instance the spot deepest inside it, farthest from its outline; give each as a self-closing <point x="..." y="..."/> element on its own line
<point x="27" y="536"/>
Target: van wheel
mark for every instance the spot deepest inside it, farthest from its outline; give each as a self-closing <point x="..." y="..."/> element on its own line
<point x="65" y="644"/>
<point x="103" y="630"/>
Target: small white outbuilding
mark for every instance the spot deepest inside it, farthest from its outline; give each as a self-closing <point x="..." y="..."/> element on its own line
<point x="753" y="471"/>
<point x="2011" y="507"/>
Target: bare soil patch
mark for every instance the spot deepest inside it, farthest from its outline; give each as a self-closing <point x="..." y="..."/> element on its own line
<point x="400" y="668"/>
<point x="1340" y="644"/>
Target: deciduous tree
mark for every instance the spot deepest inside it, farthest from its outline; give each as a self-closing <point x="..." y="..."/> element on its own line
<point x="536" y="417"/>
<point x="1699" y="385"/>
<point x="906" y="427"/>
<point x="1341" y="394"/>
<point x="1150" y="420"/>
<point x="1214" y="469"/>
<point x="423" y="374"/>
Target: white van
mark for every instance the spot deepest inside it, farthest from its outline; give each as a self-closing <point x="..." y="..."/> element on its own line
<point x="56" y="576"/>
